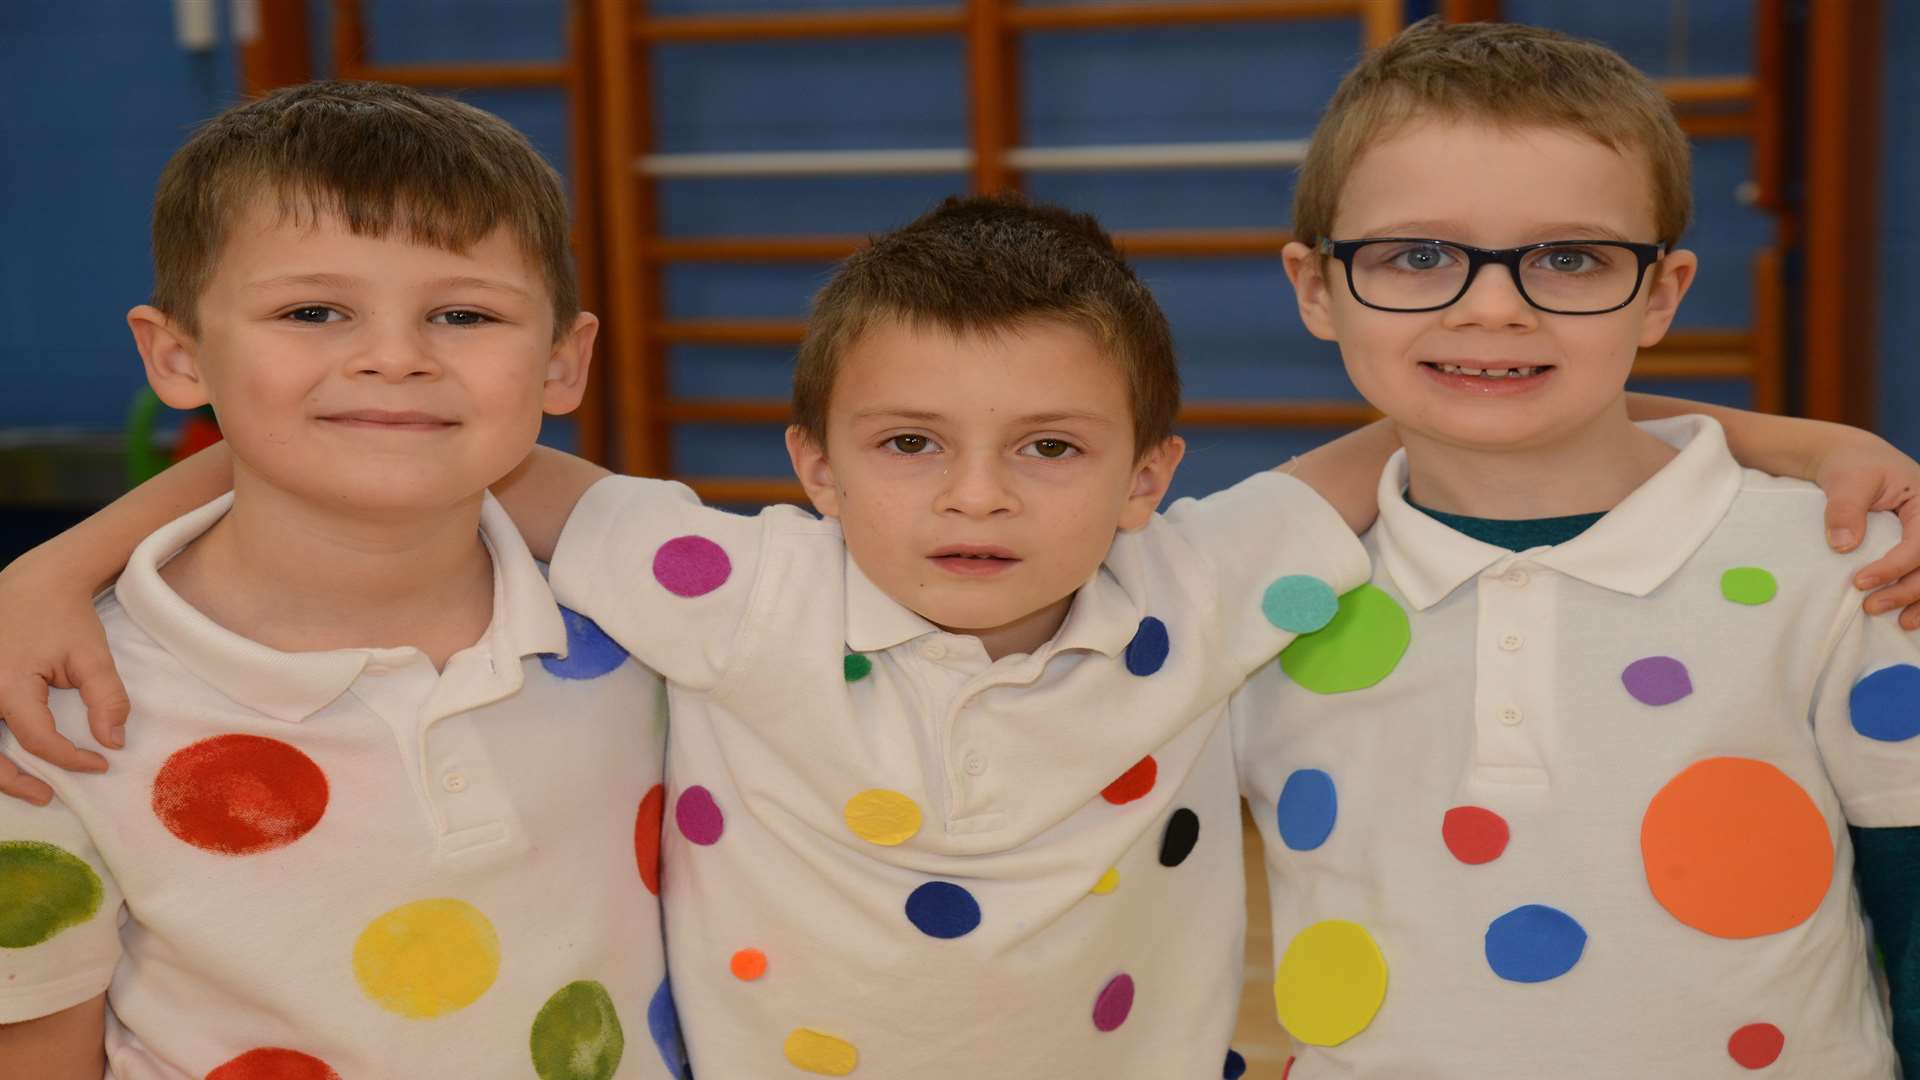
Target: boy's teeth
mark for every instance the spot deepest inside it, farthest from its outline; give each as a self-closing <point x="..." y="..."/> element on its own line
<point x="1489" y="373"/>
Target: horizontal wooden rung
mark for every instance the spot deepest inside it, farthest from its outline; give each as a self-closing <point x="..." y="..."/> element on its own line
<point x="730" y="331"/>
<point x="1710" y="90"/>
<point x="463" y="76"/>
<point x="745" y="491"/>
<point x="776" y="26"/>
<point x="1141" y="244"/>
<point x="1107" y="16"/>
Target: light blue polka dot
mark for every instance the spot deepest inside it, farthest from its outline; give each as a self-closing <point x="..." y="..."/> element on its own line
<point x="1307" y="810"/>
<point x="1886" y="704"/>
<point x="1534" y="943"/>
<point x="1300" y="604"/>
<point x="590" y="652"/>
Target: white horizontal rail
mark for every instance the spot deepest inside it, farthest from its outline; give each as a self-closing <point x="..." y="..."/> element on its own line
<point x="1127" y="157"/>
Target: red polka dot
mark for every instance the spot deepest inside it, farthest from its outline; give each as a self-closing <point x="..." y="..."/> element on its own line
<point x="1474" y="834"/>
<point x="1757" y="1046"/>
<point x="1134" y="783"/>
<point x="646" y="836"/>
<point x="239" y="794"/>
<point x="274" y="1063"/>
<point x="691" y="566"/>
<point x="1288" y="1070"/>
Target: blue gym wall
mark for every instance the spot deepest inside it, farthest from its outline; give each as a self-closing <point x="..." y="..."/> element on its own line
<point x="98" y="101"/>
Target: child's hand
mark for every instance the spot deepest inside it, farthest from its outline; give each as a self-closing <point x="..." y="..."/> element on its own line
<point x="52" y="637"/>
<point x="1866" y="475"/>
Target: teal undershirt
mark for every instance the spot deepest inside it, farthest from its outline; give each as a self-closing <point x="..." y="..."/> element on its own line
<point x="1886" y="861"/>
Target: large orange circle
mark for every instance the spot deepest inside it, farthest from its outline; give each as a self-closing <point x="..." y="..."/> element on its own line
<point x="1734" y="848"/>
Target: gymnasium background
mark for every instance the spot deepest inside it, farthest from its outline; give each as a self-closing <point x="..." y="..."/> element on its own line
<point x="701" y="251"/>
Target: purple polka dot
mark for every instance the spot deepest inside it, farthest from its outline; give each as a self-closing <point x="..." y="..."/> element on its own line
<point x="1657" y="680"/>
<point x="699" y="816"/>
<point x="691" y="566"/>
<point x="1110" y="1009"/>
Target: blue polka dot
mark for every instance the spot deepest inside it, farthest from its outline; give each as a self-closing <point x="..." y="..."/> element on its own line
<point x="663" y="1023"/>
<point x="1236" y="1066"/>
<point x="1886" y="704"/>
<point x="590" y="652"/>
<point x="1147" y="652"/>
<point x="942" y="909"/>
<point x="1308" y="807"/>
<point x="1534" y="943"/>
<point x="1300" y="604"/>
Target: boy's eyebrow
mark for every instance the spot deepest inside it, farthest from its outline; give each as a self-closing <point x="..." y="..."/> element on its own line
<point x="1446" y="230"/>
<point x="1029" y="420"/>
<point x="344" y="281"/>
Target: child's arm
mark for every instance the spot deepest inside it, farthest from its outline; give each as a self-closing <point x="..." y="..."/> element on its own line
<point x="541" y="493"/>
<point x="67" y="1045"/>
<point x="1888" y="863"/>
<point x="1346" y="471"/>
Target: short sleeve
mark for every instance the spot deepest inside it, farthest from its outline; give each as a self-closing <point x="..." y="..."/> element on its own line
<point x="669" y="579"/>
<point x="1271" y="557"/>
<point x="59" y="912"/>
<point x="1867" y="720"/>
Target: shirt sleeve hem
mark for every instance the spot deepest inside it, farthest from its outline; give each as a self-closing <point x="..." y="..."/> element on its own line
<point x="19" y="1004"/>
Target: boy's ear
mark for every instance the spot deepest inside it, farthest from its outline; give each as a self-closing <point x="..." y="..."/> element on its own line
<point x="1311" y="290"/>
<point x="1151" y="478"/>
<point x="1667" y="283"/>
<point x="567" y="366"/>
<point x="169" y="355"/>
<point x="815" y="473"/>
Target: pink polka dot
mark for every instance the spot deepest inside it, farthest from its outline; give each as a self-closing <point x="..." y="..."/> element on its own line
<point x="1756" y="1046"/>
<point x="691" y="566"/>
<point x="698" y="816"/>
<point x="1110" y="1009"/>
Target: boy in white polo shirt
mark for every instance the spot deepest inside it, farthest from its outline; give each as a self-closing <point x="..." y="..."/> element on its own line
<point x="1566" y="790"/>
<point x="390" y="810"/>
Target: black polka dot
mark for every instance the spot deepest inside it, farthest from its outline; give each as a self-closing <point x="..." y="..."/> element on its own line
<point x="1183" y="831"/>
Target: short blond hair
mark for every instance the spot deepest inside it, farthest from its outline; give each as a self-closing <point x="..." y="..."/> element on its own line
<point x="1507" y="74"/>
<point x="385" y="159"/>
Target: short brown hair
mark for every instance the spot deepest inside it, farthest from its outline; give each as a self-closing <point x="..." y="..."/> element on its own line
<point x="987" y="263"/>
<point x="1508" y="74"/>
<point x="381" y="157"/>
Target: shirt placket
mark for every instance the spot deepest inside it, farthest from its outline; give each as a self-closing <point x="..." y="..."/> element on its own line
<point x="1513" y="673"/>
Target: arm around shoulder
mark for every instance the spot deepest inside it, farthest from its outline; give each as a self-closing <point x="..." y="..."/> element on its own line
<point x="67" y="1045"/>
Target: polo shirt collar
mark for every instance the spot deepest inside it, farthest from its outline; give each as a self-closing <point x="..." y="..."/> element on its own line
<point x="1635" y="548"/>
<point x="291" y="686"/>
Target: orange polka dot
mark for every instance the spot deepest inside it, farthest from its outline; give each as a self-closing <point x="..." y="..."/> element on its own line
<point x="646" y="836"/>
<point x="748" y="964"/>
<point x="1734" y="848"/>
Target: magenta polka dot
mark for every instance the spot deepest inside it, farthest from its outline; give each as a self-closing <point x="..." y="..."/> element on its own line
<point x="1657" y="680"/>
<point x="691" y="566"/>
<point x="699" y="816"/>
<point x="1110" y="1009"/>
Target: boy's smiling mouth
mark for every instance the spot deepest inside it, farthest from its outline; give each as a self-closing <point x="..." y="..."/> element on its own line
<point x="384" y="420"/>
<point x="1484" y="377"/>
<point x="974" y="560"/>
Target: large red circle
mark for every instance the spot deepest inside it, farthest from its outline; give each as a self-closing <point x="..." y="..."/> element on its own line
<point x="274" y="1063"/>
<point x="239" y="794"/>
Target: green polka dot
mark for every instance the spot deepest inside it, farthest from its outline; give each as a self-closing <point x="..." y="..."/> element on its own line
<point x="1361" y="646"/>
<point x="1748" y="585"/>
<point x="858" y="667"/>
<point x="43" y="890"/>
<point x="577" y="1035"/>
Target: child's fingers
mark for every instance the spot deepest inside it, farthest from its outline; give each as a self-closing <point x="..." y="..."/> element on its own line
<point x="31" y="725"/>
<point x="1903" y="593"/>
<point x="105" y="695"/>
<point x="1848" y="500"/>
<point x="21" y="785"/>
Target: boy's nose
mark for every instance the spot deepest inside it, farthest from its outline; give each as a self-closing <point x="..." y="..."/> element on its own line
<point x="397" y="355"/>
<point x="976" y="485"/>
<point x="1492" y="299"/>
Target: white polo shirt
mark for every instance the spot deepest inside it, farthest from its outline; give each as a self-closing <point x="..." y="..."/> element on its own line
<point x="1580" y="811"/>
<point x="889" y="857"/>
<point x="346" y="864"/>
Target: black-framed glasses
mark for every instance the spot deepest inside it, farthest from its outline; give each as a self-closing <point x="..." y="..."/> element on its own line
<point x="1560" y="277"/>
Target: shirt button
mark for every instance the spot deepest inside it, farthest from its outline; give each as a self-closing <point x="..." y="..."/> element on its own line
<point x="454" y="782"/>
<point x="975" y="763"/>
<point x="1511" y="642"/>
<point x="1516" y="577"/>
<point x="1510" y="716"/>
<point x="933" y="649"/>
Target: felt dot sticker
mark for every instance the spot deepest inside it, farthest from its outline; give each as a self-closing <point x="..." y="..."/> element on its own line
<point x="647" y="822"/>
<point x="590" y="652"/>
<point x="1748" y="585"/>
<point x="577" y="1035"/>
<point x="1359" y="647"/>
<point x="1236" y="1066"/>
<point x="821" y="1054"/>
<point x="1114" y="1003"/>
<point x="698" y="816"/>
<point x="1534" y="943"/>
<point x="748" y="964"/>
<point x="856" y="666"/>
<point x="1108" y="882"/>
<point x="690" y="566"/>
<point x="1287" y="1069"/>
<point x="663" y="1027"/>
<point x="1885" y="705"/>
<point x="1183" y="831"/>
<point x="239" y="794"/>
<point x="1299" y="604"/>
<point x="1329" y="983"/>
<point x="1474" y="834"/>
<point x="942" y="909"/>
<point x="1657" y="680"/>
<point x="1307" y="808"/>
<point x="1734" y="848"/>
<point x="1147" y="652"/>
<point x="882" y="817"/>
<point x="427" y="958"/>
<point x="274" y="1063"/>
<point x="1134" y="783"/>
<point x="43" y="890"/>
<point x="1756" y="1046"/>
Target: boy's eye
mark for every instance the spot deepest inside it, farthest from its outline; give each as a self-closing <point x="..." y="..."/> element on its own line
<point x="1567" y="260"/>
<point x="313" y="313"/>
<point x="909" y="444"/>
<point x="461" y="318"/>
<point x="1419" y="257"/>
<point x="1051" y="448"/>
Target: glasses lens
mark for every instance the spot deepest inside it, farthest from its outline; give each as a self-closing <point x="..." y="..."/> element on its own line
<point x="1408" y="274"/>
<point x="1576" y="278"/>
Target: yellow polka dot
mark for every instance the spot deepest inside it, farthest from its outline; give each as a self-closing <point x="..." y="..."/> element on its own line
<point x="1108" y="882"/>
<point x="427" y="958"/>
<point x="883" y="817"/>
<point x="1330" y="983"/>
<point x="822" y="1054"/>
